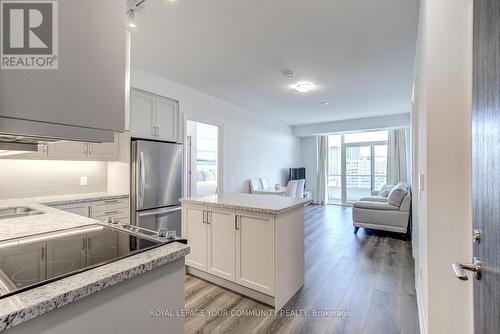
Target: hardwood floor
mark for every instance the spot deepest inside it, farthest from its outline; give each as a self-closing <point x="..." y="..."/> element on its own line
<point x="367" y="279"/>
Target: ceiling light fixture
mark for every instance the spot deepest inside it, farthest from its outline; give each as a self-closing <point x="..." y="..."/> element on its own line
<point x="132" y="7"/>
<point x="325" y="103"/>
<point x="303" y="86"/>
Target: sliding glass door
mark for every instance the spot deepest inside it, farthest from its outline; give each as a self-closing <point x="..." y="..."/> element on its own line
<point x="358" y="172"/>
<point x="357" y="165"/>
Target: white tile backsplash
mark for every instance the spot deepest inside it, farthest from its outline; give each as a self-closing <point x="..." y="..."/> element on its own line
<point x="29" y="178"/>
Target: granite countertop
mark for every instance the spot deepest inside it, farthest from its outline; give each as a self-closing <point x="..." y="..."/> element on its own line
<point x="29" y="304"/>
<point x="52" y="219"/>
<point x="268" y="204"/>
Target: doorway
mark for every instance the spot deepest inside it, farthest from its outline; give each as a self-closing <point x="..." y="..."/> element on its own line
<point x="203" y="161"/>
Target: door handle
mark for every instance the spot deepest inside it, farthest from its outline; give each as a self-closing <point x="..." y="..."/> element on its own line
<point x="158" y="212"/>
<point x="476" y="266"/>
<point x="142" y="178"/>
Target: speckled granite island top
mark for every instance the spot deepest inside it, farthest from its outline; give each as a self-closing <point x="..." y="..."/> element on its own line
<point x="267" y="204"/>
<point x="35" y="302"/>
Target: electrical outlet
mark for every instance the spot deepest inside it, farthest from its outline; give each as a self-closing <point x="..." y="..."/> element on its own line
<point x="83" y="180"/>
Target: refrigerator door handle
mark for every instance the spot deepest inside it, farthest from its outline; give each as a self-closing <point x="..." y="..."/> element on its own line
<point x="142" y="181"/>
<point x="158" y="212"/>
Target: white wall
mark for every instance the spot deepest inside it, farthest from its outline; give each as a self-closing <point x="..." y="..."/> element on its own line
<point x="354" y="125"/>
<point x="442" y="134"/>
<point x="254" y="145"/>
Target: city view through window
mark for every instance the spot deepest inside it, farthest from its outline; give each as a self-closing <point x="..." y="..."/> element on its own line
<point x="357" y="164"/>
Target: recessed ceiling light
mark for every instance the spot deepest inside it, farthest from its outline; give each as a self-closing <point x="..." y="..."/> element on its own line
<point x="303" y="86"/>
<point x="325" y="103"/>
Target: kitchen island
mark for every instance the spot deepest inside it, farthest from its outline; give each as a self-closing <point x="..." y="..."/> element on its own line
<point x="251" y="244"/>
<point x="123" y="290"/>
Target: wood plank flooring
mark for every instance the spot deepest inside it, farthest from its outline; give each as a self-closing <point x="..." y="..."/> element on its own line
<point x="368" y="280"/>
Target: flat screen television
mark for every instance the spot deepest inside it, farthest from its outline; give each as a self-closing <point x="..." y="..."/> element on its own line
<point x="297" y="173"/>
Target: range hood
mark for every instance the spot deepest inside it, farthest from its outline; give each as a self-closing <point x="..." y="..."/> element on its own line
<point x="25" y="135"/>
<point x="85" y="98"/>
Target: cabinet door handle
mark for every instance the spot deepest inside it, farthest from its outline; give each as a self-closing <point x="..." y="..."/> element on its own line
<point x="85" y="149"/>
<point x="107" y="213"/>
<point x="209" y="217"/>
<point x="236" y="222"/>
<point x="204" y="216"/>
<point x="157" y="131"/>
<point x="90" y="148"/>
<point x="42" y="256"/>
<point x="83" y="244"/>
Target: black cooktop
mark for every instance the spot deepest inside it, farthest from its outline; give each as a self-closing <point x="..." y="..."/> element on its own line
<point x="32" y="261"/>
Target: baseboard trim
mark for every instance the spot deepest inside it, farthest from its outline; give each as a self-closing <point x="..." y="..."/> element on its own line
<point x="259" y="296"/>
<point x="421" y="313"/>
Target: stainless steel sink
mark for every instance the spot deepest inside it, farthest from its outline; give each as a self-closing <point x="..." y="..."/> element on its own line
<point x="20" y="211"/>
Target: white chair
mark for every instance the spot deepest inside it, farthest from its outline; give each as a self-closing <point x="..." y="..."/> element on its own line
<point x="265" y="183"/>
<point x="291" y="188"/>
<point x="300" y="188"/>
<point x="255" y="185"/>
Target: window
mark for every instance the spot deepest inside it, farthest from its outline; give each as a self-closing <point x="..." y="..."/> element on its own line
<point x="357" y="165"/>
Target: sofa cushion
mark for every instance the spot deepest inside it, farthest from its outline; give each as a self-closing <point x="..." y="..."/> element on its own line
<point x="373" y="198"/>
<point x="385" y="192"/>
<point x="375" y="206"/>
<point x="397" y="194"/>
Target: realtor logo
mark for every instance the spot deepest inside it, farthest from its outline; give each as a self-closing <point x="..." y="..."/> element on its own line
<point x="29" y="34"/>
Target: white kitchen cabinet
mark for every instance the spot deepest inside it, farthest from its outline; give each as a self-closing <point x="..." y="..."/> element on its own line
<point x="84" y="151"/>
<point x="154" y="117"/>
<point x="167" y="119"/>
<point x="194" y="229"/>
<point x="235" y="245"/>
<point x="67" y="150"/>
<point x="255" y="251"/>
<point x="222" y="243"/>
<point x="101" y="246"/>
<point x="41" y="153"/>
<point x="117" y="209"/>
<point x="23" y="265"/>
<point x="66" y="254"/>
<point x="103" y="151"/>
<point x="142" y="110"/>
<point x="82" y="209"/>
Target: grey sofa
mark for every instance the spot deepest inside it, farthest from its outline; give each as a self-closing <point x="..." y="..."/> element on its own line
<point x="389" y="213"/>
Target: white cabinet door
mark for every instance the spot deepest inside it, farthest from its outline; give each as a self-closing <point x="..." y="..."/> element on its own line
<point x="81" y="209"/>
<point x="142" y="110"/>
<point x="24" y="264"/>
<point x="255" y="252"/>
<point x="222" y="243"/>
<point x="67" y="150"/>
<point x="166" y="119"/>
<point x="103" y="151"/>
<point x="101" y="246"/>
<point x="65" y="255"/>
<point x="195" y="231"/>
<point x="41" y="153"/>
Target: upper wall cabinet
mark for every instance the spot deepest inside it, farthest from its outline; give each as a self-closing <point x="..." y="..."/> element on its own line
<point x="153" y="117"/>
<point x="86" y="92"/>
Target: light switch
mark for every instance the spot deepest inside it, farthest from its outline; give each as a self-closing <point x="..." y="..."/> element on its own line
<point x="83" y="180"/>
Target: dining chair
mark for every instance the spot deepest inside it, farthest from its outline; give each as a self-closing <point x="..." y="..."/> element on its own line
<point x="300" y="188"/>
<point x="291" y="188"/>
<point x="255" y="185"/>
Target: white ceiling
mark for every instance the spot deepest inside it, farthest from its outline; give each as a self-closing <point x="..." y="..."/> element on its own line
<point x="360" y="53"/>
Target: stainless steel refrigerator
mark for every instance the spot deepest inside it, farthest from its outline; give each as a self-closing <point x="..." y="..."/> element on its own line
<point x="156" y="185"/>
